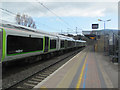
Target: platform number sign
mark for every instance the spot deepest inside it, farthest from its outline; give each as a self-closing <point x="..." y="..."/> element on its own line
<point x="95" y="26"/>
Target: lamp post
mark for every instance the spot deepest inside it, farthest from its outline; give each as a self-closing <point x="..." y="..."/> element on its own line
<point x="104" y="28"/>
<point x="104" y="21"/>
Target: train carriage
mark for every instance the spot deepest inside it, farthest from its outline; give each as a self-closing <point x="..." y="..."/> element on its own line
<point x="66" y="42"/>
<point x="17" y="42"/>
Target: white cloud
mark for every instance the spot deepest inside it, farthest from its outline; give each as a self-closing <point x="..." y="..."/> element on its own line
<point x="68" y="9"/>
<point x="60" y="0"/>
<point x="84" y="9"/>
<point x="78" y="12"/>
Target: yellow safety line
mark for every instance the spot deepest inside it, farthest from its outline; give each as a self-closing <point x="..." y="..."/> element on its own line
<point x="43" y="88"/>
<point x="66" y="81"/>
<point x="81" y="75"/>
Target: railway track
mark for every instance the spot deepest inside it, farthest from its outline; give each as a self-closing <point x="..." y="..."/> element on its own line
<point x="34" y="75"/>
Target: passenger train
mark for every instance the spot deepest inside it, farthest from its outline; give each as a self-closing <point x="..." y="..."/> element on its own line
<point x="17" y="42"/>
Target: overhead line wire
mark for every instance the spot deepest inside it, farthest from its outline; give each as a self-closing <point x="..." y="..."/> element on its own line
<point x="45" y="24"/>
<point x="41" y="23"/>
<point x="54" y="14"/>
<point x="8" y="11"/>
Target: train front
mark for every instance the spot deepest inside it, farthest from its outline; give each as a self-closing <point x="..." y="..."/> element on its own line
<point x="1" y="44"/>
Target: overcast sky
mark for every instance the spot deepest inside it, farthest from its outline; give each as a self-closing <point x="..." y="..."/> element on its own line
<point x="74" y="13"/>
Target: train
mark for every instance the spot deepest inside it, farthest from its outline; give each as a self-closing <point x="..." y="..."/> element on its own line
<point x="18" y="42"/>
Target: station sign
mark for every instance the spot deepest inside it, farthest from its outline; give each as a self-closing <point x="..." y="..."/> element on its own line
<point x="95" y="26"/>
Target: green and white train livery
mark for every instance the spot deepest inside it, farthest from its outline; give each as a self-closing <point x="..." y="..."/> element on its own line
<point x="18" y="42"/>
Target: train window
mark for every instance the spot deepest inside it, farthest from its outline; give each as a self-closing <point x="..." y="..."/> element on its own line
<point x="19" y="44"/>
<point x="52" y="44"/>
<point x="66" y="43"/>
<point x="69" y="43"/>
<point x="62" y="44"/>
<point x="77" y="43"/>
<point x="73" y="43"/>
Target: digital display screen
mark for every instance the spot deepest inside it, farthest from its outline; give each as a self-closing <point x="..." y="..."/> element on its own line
<point x="95" y="26"/>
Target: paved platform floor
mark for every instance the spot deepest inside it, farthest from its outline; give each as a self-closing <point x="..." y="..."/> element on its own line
<point x="87" y="69"/>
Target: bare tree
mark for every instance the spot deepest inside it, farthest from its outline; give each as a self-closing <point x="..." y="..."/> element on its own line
<point x="33" y="25"/>
<point x="25" y="20"/>
<point x="30" y="21"/>
<point x="18" y="19"/>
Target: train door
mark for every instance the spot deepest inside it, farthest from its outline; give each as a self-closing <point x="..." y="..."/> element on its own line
<point x="1" y="44"/>
<point x="46" y="47"/>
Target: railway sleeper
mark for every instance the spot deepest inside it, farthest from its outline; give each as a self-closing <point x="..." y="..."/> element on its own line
<point x="35" y="82"/>
<point x="29" y="84"/>
<point x="34" y="79"/>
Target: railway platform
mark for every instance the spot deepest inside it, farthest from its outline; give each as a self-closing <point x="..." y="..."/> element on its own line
<point x="88" y="69"/>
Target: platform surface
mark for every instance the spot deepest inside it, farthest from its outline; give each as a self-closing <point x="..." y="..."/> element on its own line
<point x="87" y="69"/>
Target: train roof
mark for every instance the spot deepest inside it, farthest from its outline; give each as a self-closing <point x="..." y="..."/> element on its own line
<point x="24" y="28"/>
<point x="80" y="41"/>
<point x="65" y="37"/>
